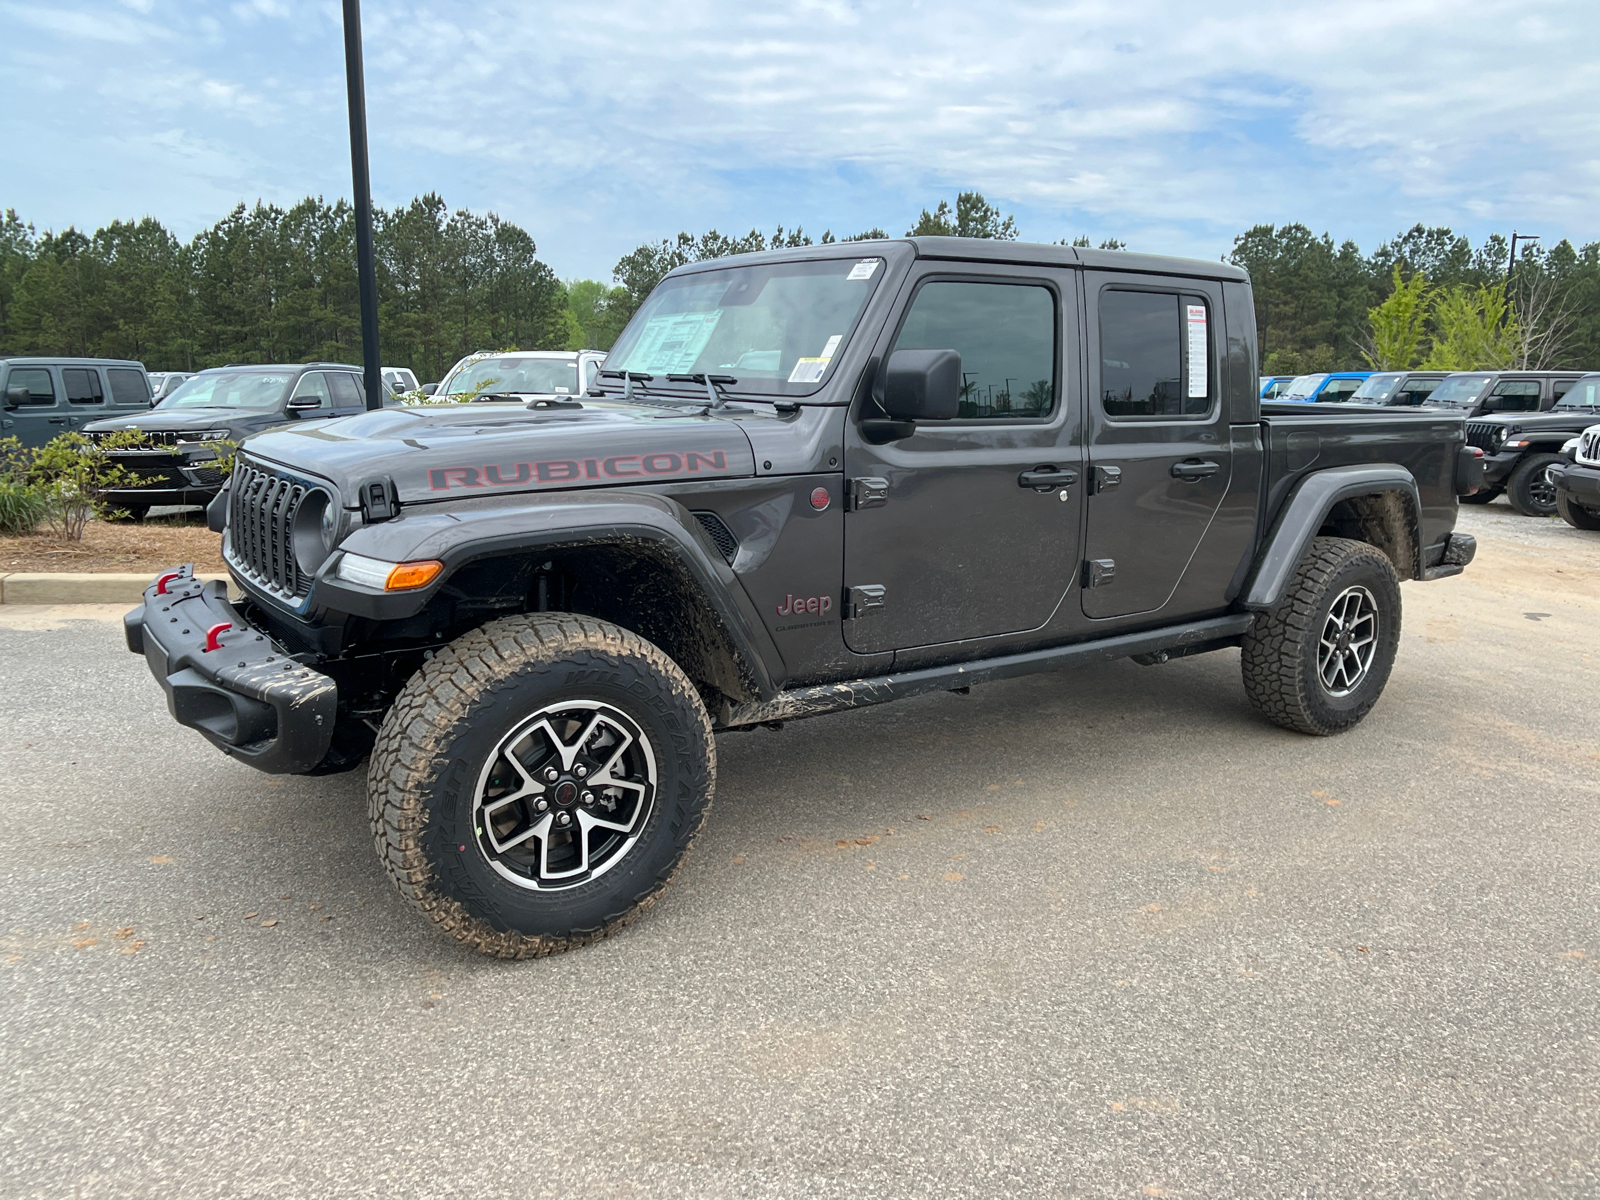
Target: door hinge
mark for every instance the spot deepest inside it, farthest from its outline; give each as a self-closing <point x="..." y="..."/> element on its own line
<point x="862" y="599"/>
<point x="865" y="493"/>
<point x="1104" y="479"/>
<point x="1099" y="571"/>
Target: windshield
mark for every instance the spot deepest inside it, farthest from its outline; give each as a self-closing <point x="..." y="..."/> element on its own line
<point x="775" y="328"/>
<point x="1302" y="386"/>
<point x="1459" y="391"/>
<point x="1584" y="394"/>
<point x="230" y="389"/>
<point x="1377" y="387"/>
<point x="515" y="373"/>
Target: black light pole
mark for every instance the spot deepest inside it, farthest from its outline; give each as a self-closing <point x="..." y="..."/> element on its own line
<point x="1511" y="263"/>
<point x="366" y="271"/>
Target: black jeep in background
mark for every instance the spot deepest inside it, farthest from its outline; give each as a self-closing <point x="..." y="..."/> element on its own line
<point x="1520" y="449"/>
<point x="808" y="480"/>
<point x="177" y="462"/>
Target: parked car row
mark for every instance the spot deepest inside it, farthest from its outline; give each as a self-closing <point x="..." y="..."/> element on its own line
<point x="1477" y="392"/>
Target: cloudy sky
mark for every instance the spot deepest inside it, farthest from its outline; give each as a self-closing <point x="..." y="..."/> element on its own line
<point x="1170" y="125"/>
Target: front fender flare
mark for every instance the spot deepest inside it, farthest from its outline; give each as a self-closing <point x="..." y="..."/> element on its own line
<point x="463" y="531"/>
<point x="1308" y="506"/>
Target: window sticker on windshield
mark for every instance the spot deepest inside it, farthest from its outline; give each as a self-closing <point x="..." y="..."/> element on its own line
<point x="833" y="344"/>
<point x="809" y="370"/>
<point x="863" y="269"/>
<point x="673" y="342"/>
<point x="1199" y="373"/>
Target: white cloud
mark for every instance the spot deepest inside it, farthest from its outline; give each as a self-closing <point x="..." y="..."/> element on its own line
<point x="600" y="125"/>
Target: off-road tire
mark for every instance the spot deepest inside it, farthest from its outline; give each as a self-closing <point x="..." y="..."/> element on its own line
<point x="1280" y="660"/>
<point x="1482" y="496"/>
<point x="1529" y="475"/>
<point x="1575" y="514"/>
<point x="448" y="720"/>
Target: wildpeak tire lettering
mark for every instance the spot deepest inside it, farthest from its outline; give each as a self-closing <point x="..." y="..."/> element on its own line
<point x="656" y="465"/>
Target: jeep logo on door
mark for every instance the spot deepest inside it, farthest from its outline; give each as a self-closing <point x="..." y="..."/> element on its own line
<point x="659" y="465"/>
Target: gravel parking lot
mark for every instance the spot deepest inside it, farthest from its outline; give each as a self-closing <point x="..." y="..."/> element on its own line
<point x="1093" y="933"/>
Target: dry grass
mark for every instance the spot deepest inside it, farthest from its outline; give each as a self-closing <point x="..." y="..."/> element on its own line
<point x="159" y="542"/>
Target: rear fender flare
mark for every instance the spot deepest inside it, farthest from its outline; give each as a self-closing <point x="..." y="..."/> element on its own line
<point x="461" y="532"/>
<point x="1309" y="505"/>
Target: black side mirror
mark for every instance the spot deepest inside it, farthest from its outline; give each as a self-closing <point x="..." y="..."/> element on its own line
<point x="922" y="385"/>
<point x="429" y="389"/>
<point x="16" y="397"/>
<point x="298" y="404"/>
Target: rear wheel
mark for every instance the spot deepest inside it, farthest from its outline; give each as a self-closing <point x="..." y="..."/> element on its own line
<point x="537" y="783"/>
<point x="1482" y="496"/>
<point x="1319" y="662"/>
<point x="1530" y="489"/>
<point x="1575" y="514"/>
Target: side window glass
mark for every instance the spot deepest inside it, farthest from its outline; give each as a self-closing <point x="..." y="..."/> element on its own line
<point x="1006" y="336"/>
<point x="1562" y="387"/>
<point x="313" y="383"/>
<point x="1518" y="395"/>
<point x="1154" y="359"/>
<point x="346" y="390"/>
<point x="82" y="385"/>
<point x="129" y="387"/>
<point x="35" y="382"/>
<point x="591" y="368"/>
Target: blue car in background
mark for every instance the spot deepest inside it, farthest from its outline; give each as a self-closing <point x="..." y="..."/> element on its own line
<point x="1325" y="387"/>
<point x="1272" y="385"/>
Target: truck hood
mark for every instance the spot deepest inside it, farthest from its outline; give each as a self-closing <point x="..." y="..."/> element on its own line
<point x="453" y="451"/>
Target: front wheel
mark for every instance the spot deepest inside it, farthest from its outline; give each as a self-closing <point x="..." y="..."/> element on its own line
<point x="1482" y="496"/>
<point x="1530" y="489"/>
<point x="1575" y="514"/>
<point x="537" y="783"/>
<point x="1319" y="662"/>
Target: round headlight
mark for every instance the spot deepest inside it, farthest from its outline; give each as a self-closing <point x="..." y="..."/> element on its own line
<point x="316" y="527"/>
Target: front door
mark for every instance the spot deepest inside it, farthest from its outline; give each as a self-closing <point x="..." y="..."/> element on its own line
<point x="1159" y="453"/>
<point x="969" y="528"/>
<point x="40" y="415"/>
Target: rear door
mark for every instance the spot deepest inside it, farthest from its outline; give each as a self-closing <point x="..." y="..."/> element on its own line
<point x="969" y="528"/>
<point x="1160" y="456"/>
<point x="349" y="396"/>
<point x="86" y="395"/>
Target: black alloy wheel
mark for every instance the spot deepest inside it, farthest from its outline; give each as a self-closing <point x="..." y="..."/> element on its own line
<point x="1530" y="489"/>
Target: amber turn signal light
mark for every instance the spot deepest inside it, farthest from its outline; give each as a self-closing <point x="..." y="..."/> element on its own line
<point x="403" y="577"/>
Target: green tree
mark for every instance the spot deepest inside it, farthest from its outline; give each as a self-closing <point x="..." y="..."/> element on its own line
<point x="596" y="312"/>
<point x="974" y="217"/>
<point x="1399" y="324"/>
<point x="1474" y="330"/>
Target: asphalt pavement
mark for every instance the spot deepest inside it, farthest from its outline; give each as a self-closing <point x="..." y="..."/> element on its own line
<point x="1093" y="933"/>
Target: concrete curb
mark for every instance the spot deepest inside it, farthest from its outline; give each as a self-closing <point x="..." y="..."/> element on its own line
<point x="77" y="587"/>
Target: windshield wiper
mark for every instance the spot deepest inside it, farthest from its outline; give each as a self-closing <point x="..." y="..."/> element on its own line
<point x="713" y="384"/>
<point x="628" y="379"/>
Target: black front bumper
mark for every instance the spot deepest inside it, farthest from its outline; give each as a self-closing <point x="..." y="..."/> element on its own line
<point x="246" y="697"/>
<point x="1581" y="483"/>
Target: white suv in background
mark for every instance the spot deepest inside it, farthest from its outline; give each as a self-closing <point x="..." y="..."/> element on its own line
<point x="516" y="373"/>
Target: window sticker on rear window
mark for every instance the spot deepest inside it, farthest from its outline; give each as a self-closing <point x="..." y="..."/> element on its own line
<point x="672" y="342"/>
<point x="863" y="269"/>
<point x="1199" y="373"/>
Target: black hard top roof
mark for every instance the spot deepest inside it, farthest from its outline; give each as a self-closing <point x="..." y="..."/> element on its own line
<point x="985" y="250"/>
<point x="280" y="367"/>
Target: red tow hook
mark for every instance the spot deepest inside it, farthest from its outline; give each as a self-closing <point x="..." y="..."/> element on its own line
<point x="164" y="579"/>
<point x="214" y="633"/>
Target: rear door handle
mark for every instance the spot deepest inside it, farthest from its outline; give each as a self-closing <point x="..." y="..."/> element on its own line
<point x="1193" y="472"/>
<point x="1047" y="479"/>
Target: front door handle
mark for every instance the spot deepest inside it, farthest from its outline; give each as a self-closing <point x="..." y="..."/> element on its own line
<point x="58" y="420"/>
<point x="1047" y="479"/>
<point x="1193" y="472"/>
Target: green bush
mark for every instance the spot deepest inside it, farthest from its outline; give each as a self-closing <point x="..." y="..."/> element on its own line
<point x="21" y="508"/>
<point x="66" y="479"/>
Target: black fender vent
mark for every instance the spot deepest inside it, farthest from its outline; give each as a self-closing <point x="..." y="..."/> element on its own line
<point x="727" y="544"/>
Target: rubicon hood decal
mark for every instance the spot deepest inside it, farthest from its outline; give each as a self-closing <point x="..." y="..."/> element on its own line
<point x="661" y="464"/>
<point x="474" y="450"/>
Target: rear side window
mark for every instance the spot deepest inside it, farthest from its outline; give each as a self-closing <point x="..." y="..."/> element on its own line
<point x="1006" y="336"/>
<point x="35" y="382"/>
<point x="82" y="385"/>
<point x="1154" y="359"/>
<point x="129" y="387"/>
<point x="346" y="390"/>
<point x="1561" y="387"/>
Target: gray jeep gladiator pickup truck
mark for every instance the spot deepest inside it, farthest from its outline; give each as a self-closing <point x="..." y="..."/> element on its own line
<point x="808" y="480"/>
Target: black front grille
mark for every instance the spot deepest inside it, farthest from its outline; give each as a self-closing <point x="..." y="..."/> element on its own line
<point x="727" y="544"/>
<point x="1482" y="435"/>
<point x="261" y="512"/>
<point x="157" y="438"/>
